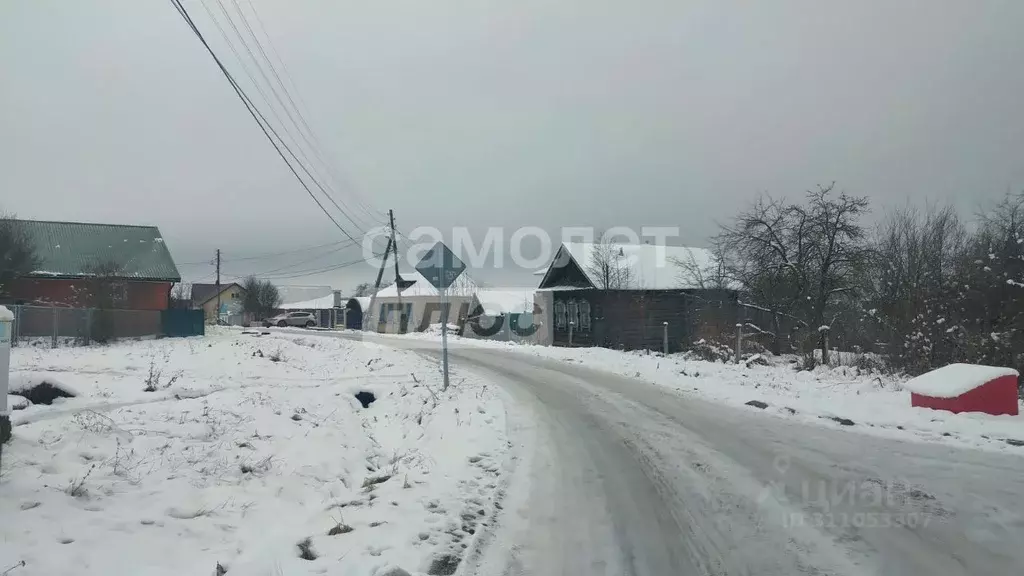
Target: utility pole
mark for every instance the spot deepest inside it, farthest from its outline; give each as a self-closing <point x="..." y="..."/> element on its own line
<point x="394" y="246"/>
<point x="217" y="317"/>
<point x="367" y="314"/>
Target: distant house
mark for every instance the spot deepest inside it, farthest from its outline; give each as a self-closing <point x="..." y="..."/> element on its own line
<point x="510" y="314"/>
<point x="622" y="295"/>
<point x="204" y="296"/>
<point x="421" y="301"/>
<point x="91" y="265"/>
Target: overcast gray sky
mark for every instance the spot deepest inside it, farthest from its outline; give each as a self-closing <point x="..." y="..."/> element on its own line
<point x="488" y="113"/>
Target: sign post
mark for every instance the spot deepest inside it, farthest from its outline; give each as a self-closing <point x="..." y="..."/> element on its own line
<point x="441" y="267"/>
<point x="444" y="335"/>
<point x="6" y="322"/>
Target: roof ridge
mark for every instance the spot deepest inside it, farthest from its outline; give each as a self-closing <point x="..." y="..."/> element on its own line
<point x="87" y="223"/>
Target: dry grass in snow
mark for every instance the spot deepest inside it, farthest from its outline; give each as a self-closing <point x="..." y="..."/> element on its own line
<point x="205" y="455"/>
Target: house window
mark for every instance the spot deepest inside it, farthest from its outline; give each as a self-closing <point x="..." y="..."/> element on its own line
<point x="389" y="312"/>
<point x="560" y="319"/>
<point x="584" y="308"/>
<point x="574" y="317"/>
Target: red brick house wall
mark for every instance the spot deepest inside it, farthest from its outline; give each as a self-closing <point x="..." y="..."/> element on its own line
<point x="75" y="293"/>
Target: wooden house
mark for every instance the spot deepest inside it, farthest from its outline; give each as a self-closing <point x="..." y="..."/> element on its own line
<point x="628" y="296"/>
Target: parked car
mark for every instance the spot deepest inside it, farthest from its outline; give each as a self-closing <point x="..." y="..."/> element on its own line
<point x="306" y="319"/>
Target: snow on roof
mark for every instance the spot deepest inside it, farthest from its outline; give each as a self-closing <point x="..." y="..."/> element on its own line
<point x="651" y="267"/>
<point x="955" y="379"/>
<point x="511" y="301"/>
<point x="321" y="303"/>
<point x="363" y="301"/>
<point x="463" y="286"/>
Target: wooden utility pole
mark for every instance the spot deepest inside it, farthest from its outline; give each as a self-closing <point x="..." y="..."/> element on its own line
<point x="398" y="288"/>
<point x="217" y="317"/>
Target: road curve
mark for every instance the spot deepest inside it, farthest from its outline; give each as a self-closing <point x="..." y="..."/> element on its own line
<point x="616" y="476"/>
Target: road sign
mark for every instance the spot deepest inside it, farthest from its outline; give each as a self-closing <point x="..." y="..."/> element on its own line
<point x="440" y="266"/>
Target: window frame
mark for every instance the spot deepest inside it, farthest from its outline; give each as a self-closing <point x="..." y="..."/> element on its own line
<point x="584" y="309"/>
<point x="560" y="315"/>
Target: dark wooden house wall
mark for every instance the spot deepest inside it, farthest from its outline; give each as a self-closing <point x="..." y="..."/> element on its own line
<point x="635" y="319"/>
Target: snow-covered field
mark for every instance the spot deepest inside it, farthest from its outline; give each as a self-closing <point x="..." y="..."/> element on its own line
<point x="876" y="404"/>
<point x="252" y="453"/>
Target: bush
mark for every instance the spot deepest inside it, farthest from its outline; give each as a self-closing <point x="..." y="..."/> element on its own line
<point x="710" y="351"/>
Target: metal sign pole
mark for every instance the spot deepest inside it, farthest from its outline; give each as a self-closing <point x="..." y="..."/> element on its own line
<point x="444" y="335"/>
<point x="441" y="267"/>
<point x="444" y="323"/>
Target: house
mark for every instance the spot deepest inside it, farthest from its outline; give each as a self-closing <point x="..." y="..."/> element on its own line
<point x="966" y="388"/>
<point x="231" y="297"/>
<point x="509" y="314"/>
<point x="629" y="296"/>
<point x="420" y="300"/>
<point x="80" y="265"/>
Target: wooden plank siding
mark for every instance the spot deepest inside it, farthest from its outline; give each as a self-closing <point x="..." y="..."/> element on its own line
<point x="634" y="319"/>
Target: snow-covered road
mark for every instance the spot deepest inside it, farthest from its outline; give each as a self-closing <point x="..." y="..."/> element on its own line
<point x="615" y="476"/>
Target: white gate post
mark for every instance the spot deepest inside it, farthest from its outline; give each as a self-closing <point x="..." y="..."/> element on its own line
<point x="6" y="321"/>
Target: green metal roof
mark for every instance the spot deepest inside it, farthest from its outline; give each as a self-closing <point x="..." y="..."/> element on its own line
<point x="75" y="249"/>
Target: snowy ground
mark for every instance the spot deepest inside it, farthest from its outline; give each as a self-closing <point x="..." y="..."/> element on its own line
<point x="256" y="453"/>
<point x="876" y="404"/>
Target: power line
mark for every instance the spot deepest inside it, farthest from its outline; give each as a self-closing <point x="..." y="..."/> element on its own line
<point x="304" y="161"/>
<point x="317" y="150"/>
<point x="259" y="68"/>
<point x="268" y="255"/>
<point x="345" y="243"/>
<point x="301" y="262"/>
<point x="260" y="120"/>
<point x="312" y="271"/>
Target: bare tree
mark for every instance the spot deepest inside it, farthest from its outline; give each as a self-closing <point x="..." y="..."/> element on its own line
<point x="798" y="262"/>
<point x="610" y="266"/>
<point x="703" y="273"/>
<point x="766" y="252"/>
<point x="17" y="252"/>
<point x="912" y="285"/>
<point x="181" y="295"/>
<point x="106" y="290"/>
<point x="363" y="289"/>
<point x="839" y="255"/>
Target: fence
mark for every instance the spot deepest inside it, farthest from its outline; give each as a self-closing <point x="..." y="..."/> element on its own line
<point x="86" y="325"/>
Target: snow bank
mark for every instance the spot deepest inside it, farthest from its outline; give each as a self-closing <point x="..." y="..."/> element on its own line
<point x="6" y="315"/>
<point x="15" y="402"/>
<point x="876" y="403"/>
<point x="23" y="382"/>
<point x="955" y="379"/>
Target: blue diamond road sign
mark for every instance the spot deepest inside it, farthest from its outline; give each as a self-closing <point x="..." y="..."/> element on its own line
<point x="440" y="266"/>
